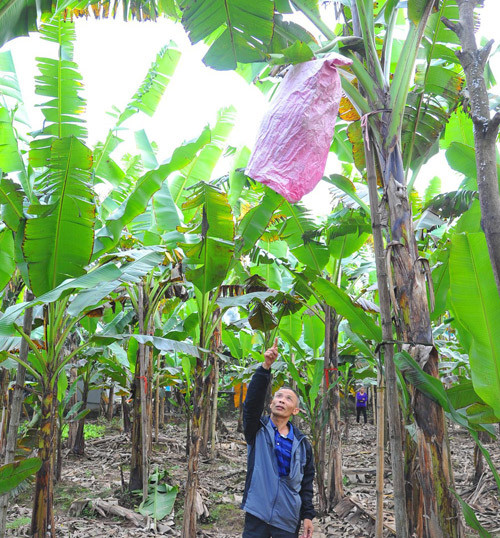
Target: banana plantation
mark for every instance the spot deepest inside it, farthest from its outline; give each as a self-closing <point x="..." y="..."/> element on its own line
<point x="158" y="281"/>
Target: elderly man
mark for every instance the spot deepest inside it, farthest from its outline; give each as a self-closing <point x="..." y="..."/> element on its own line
<point x="280" y="471"/>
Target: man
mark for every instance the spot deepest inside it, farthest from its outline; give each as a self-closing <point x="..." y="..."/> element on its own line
<point x="361" y="401"/>
<point x="279" y="483"/>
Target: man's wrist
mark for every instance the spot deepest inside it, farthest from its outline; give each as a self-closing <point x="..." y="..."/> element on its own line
<point x="266" y="366"/>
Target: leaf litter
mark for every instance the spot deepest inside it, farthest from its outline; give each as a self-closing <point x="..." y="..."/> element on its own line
<point x="92" y="499"/>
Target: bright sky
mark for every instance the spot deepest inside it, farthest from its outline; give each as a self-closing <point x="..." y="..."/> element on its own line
<point x="113" y="65"/>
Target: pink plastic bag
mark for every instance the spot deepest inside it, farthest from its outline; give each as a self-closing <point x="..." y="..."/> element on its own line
<point x="296" y="132"/>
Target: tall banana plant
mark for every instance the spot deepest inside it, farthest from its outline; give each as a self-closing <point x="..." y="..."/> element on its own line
<point x="51" y="215"/>
<point x="208" y="257"/>
<point x="381" y="95"/>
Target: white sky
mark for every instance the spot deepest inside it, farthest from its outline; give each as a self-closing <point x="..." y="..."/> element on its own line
<point x="113" y="58"/>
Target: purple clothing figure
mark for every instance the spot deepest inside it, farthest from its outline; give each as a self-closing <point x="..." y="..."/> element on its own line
<point x="361" y="402"/>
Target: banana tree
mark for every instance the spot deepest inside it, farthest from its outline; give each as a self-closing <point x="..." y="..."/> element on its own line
<point x="473" y="61"/>
<point x="208" y="257"/>
<point x="381" y="95"/>
<point x="54" y="238"/>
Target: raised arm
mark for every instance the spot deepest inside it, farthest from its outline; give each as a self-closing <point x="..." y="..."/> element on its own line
<point x="256" y="394"/>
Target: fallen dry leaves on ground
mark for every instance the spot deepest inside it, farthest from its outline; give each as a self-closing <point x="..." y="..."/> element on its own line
<point x="90" y="495"/>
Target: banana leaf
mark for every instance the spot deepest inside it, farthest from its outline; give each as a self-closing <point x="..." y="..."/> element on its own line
<point x="201" y="167"/>
<point x="476" y="305"/>
<point x="12" y="474"/>
<point x="255" y="221"/>
<point x="60" y="82"/>
<point x="343" y="305"/>
<point x="104" y="273"/>
<point x="433" y="389"/>
<point x="10" y="156"/>
<point x="244" y="300"/>
<point x="314" y="331"/>
<point x="239" y="30"/>
<point x="7" y="262"/>
<point x="58" y="241"/>
<point x="148" y="96"/>
<point x="19" y="17"/>
<point x="11" y="202"/>
<point x="300" y="231"/>
<point x="159" y="502"/>
<point x="108" y="236"/>
<point x="209" y="258"/>
<point x="471" y="518"/>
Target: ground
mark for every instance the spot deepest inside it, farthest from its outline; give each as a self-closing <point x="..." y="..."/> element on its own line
<point x="92" y="485"/>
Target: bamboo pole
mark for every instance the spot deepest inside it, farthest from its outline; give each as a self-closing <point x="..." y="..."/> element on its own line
<point x="388" y="350"/>
<point x="215" y="397"/>
<point x="157" y="398"/>
<point x="143" y="395"/>
<point x="379" y="521"/>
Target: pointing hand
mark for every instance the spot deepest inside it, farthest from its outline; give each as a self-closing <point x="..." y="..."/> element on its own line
<point x="271" y="355"/>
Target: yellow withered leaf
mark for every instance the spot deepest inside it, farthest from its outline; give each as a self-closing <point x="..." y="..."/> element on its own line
<point x="347" y="111"/>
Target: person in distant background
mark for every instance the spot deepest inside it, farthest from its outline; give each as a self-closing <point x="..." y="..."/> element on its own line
<point x="361" y="402"/>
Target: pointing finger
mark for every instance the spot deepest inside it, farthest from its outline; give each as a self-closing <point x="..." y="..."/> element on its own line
<point x="275" y="345"/>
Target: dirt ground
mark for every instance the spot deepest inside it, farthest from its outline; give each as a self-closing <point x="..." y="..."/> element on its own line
<point x="92" y="487"/>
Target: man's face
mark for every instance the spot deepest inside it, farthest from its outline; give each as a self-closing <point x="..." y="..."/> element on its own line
<point x="284" y="403"/>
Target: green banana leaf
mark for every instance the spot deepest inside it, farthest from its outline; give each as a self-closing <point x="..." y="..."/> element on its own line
<point x="357" y="340"/>
<point x="58" y="241"/>
<point x="475" y="303"/>
<point x="433" y="389"/>
<point x="441" y="282"/>
<point x="462" y="158"/>
<point x="104" y="273"/>
<point x="60" y="82"/>
<point x="346" y="185"/>
<point x="343" y="305"/>
<point x="148" y="96"/>
<point x="300" y="233"/>
<point x="237" y="178"/>
<point x="471" y="518"/>
<point x="7" y="262"/>
<point x="167" y="214"/>
<point x="146" y="150"/>
<point x="19" y="17"/>
<point x="11" y="201"/>
<point x="165" y="344"/>
<point x="239" y="30"/>
<point x="244" y="300"/>
<point x="314" y="331"/>
<point x="201" y="167"/>
<point x="270" y="272"/>
<point x="10" y="156"/>
<point x="159" y="502"/>
<point x="209" y="258"/>
<point x="294" y="345"/>
<point x="108" y="236"/>
<point x="143" y="263"/>
<point x="12" y="474"/>
<point x="145" y="99"/>
<point x="232" y="342"/>
<point x="292" y="324"/>
<point x="347" y="232"/>
<point x="463" y="395"/>
<point x="255" y="221"/>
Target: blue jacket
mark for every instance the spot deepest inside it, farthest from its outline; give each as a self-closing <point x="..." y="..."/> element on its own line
<point x="280" y="501"/>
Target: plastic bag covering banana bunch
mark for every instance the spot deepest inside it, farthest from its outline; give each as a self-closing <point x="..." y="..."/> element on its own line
<point x="296" y="132"/>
